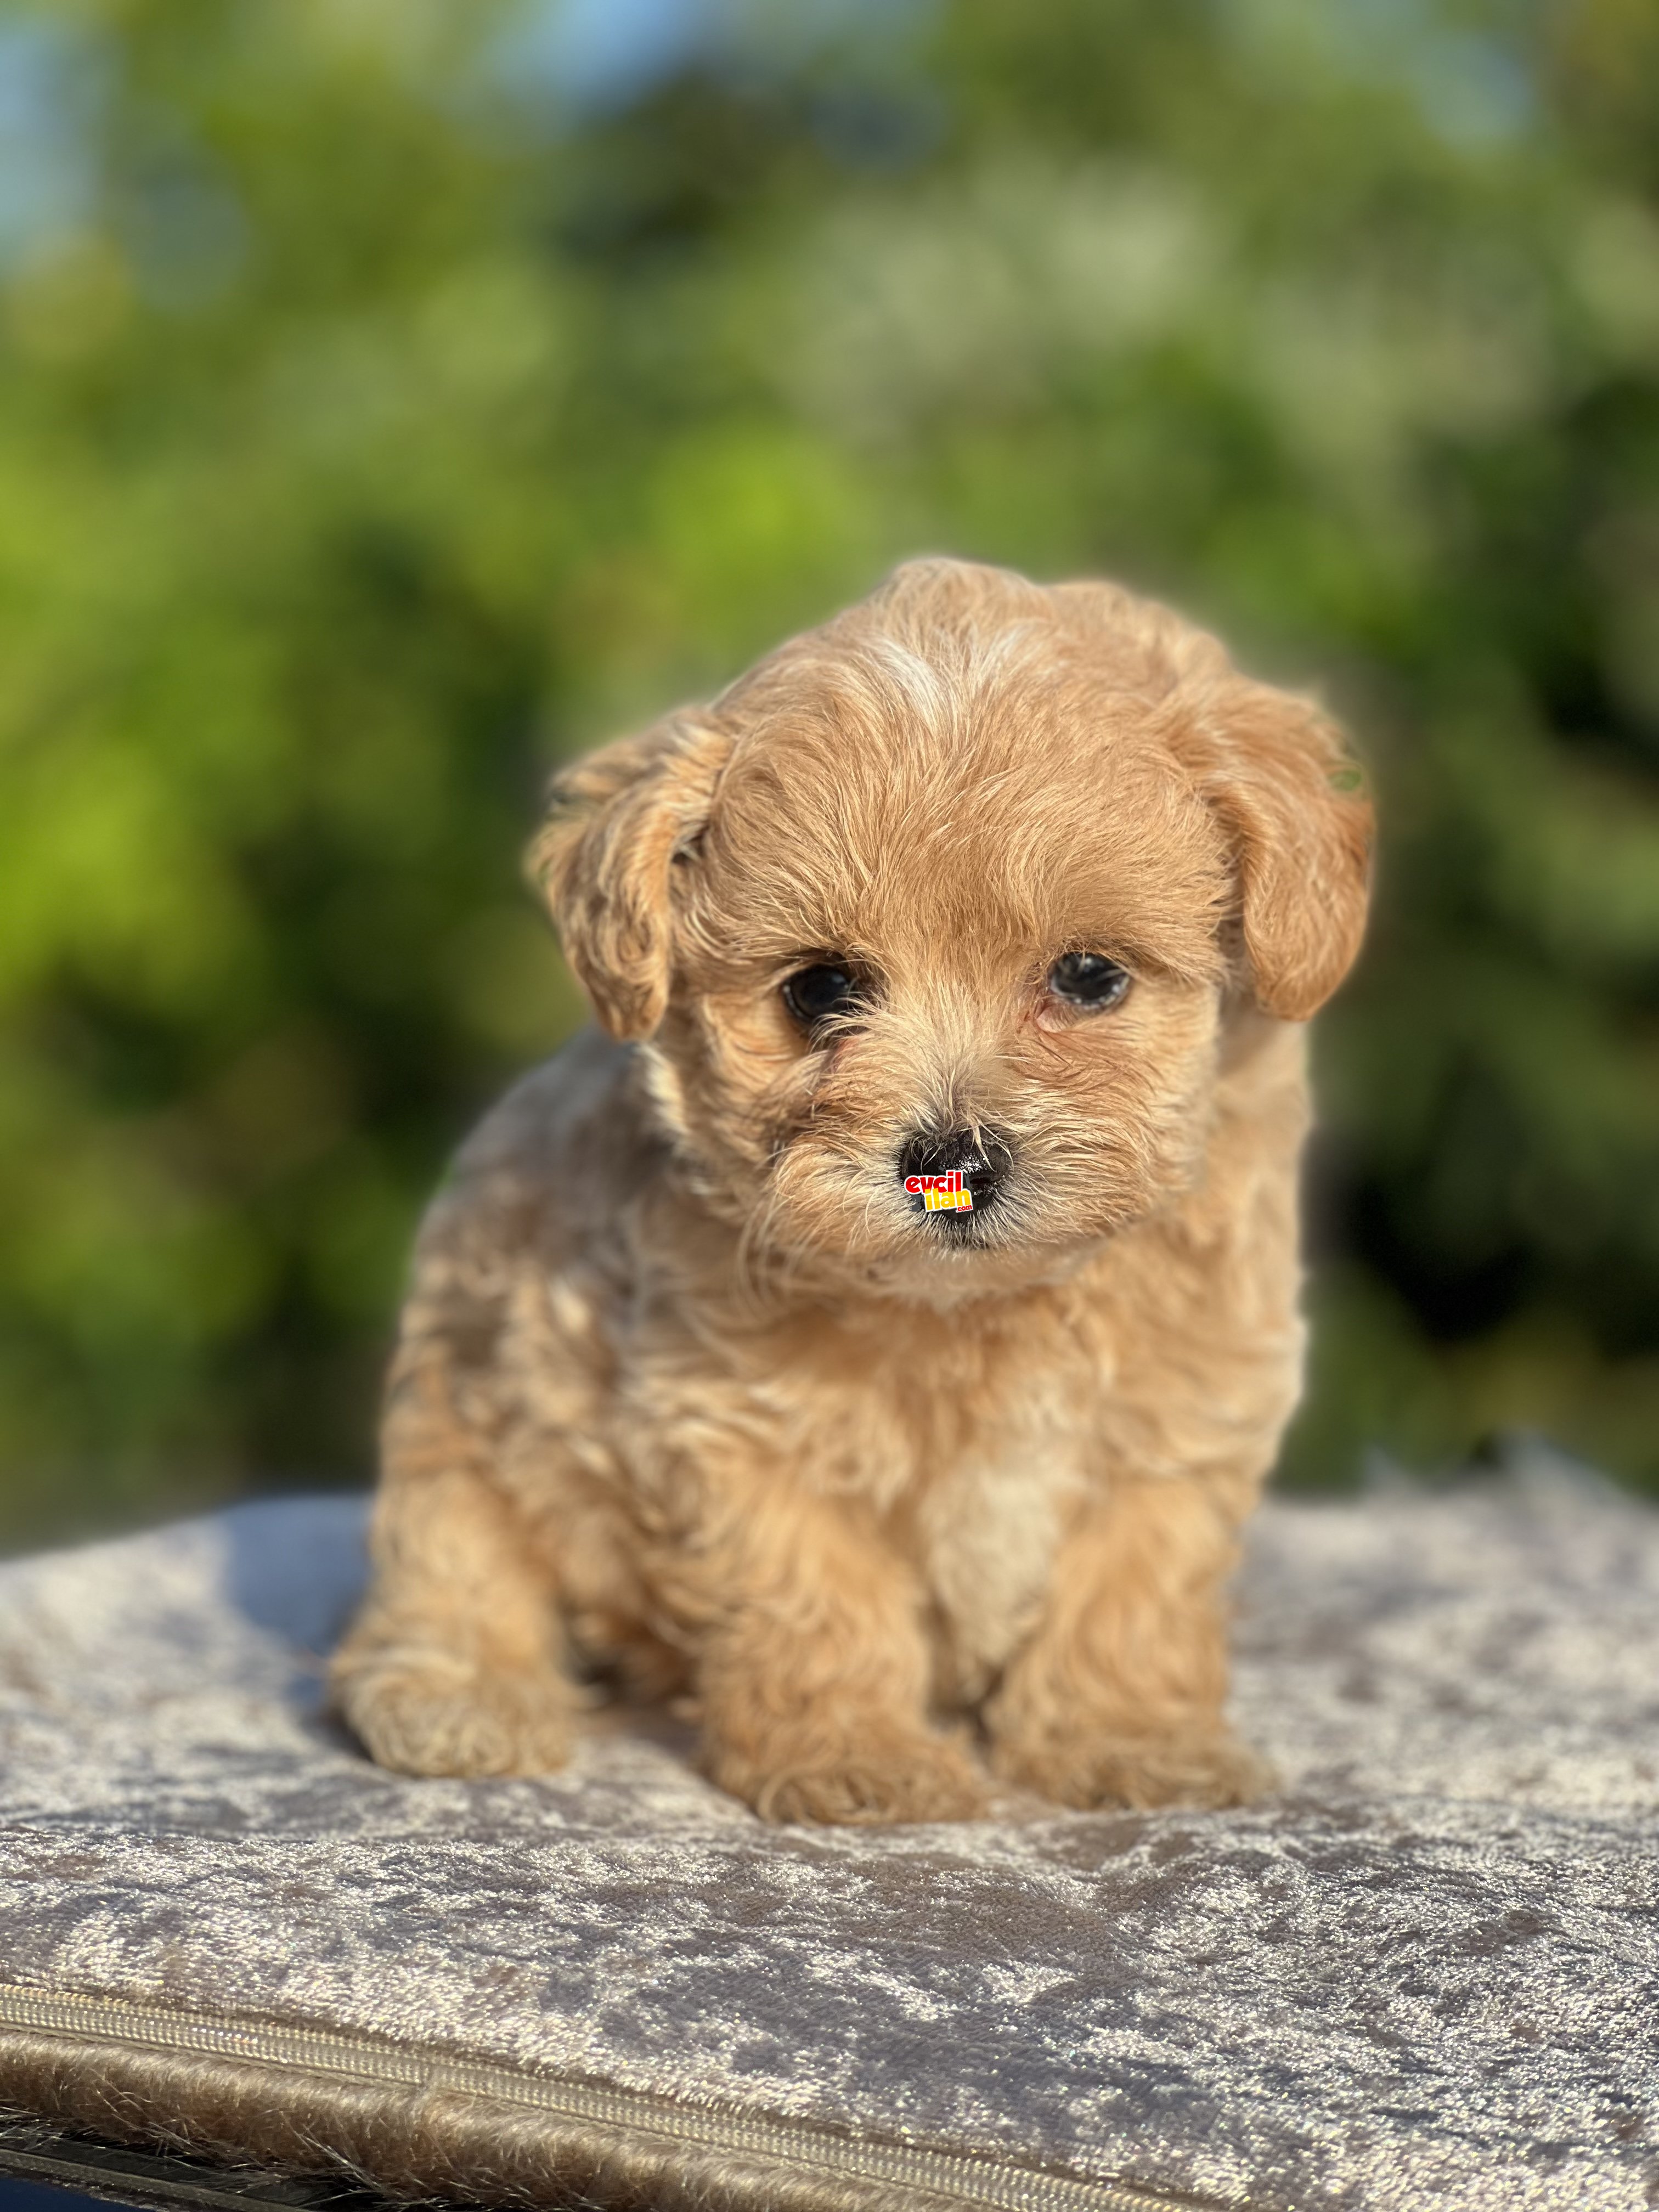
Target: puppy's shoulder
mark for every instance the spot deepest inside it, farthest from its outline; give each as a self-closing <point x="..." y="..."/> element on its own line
<point x="552" y="1160"/>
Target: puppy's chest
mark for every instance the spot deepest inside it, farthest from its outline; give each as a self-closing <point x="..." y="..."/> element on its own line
<point x="969" y="1455"/>
<point x="974" y="1467"/>
<point x="983" y="1526"/>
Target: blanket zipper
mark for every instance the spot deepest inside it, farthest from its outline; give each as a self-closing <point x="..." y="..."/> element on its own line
<point x="965" y="2176"/>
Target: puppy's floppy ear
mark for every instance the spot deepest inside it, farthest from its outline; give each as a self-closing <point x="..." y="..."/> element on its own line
<point x="605" y="855"/>
<point x="1276" y="772"/>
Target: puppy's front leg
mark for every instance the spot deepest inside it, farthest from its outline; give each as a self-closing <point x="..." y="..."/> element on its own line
<point x="1117" y="1699"/>
<point x="813" y="1672"/>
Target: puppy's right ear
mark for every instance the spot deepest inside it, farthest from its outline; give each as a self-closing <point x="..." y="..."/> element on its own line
<point x="604" y="858"/>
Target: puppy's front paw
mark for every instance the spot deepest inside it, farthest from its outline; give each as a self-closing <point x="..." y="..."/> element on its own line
<point x="1208" y="1769"/>
<point x="435" y="1713"/>
<point x="890" y="1777"/>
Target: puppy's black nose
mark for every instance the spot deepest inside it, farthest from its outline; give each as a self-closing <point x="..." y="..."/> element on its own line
<point x="982" y="1161"/>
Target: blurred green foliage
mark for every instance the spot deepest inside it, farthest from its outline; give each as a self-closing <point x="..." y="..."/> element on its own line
<point x="389" y="408"/>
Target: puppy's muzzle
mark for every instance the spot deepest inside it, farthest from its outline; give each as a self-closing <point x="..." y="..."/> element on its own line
<point x="981" y="1158"/>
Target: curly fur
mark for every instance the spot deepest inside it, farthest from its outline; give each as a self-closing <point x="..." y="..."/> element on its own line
<point x="688" y="1393"/>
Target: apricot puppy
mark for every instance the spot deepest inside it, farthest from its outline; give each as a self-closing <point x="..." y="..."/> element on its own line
<point x="1024" y="890"/>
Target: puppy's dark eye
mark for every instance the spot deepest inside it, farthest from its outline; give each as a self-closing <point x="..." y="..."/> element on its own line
<point x="813" y="994"/>
<point x="1088" y="979"/>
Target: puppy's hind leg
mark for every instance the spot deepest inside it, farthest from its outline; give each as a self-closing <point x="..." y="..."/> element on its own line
<point x="452" y="1665"/>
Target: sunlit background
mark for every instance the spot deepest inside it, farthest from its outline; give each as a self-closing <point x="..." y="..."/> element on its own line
<point x="399" y="394"/>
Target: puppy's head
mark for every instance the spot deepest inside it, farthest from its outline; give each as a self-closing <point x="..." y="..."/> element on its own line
<point x="964" y="886"/>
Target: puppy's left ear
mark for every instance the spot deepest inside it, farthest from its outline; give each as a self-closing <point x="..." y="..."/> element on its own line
<point x="604" y="861"/>
<point x="1276" y="772"/>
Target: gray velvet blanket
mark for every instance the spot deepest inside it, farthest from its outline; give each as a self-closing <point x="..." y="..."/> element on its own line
<point x="1426" y="1973"/>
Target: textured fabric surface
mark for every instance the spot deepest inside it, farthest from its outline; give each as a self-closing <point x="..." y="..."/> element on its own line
<point x="1424" y="1973"/>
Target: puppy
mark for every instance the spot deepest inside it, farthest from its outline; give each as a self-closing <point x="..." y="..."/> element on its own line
<point x="711" y="1382"/>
